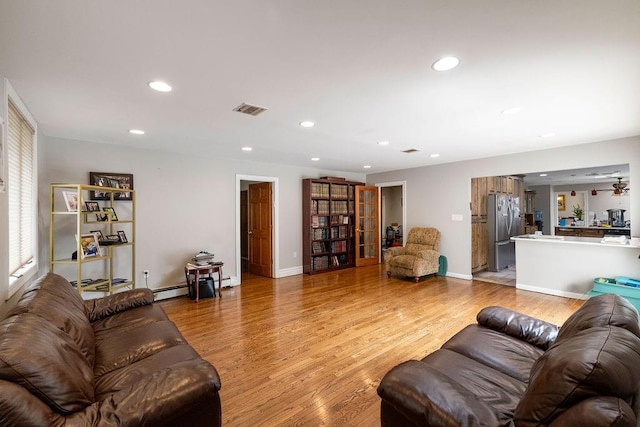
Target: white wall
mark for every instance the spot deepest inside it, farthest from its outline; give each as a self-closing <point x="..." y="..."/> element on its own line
<point x="434" y="193"/>
<point x="184" y="202"/>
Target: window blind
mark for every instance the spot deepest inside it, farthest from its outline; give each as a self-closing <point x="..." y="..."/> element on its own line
<point x="20" y="188"/>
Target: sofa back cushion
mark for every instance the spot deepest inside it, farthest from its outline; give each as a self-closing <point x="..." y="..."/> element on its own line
<point x="422" y="238"/>
<point x="54" y="299"/>
<point x="602" y="310"/>
<point x="37" y="355"/>
<point x="600" y="361"/>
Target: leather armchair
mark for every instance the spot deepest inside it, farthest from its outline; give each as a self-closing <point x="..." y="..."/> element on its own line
<point x="419" y="257"/>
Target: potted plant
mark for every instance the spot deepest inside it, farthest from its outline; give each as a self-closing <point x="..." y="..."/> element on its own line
<point x="578" y="214"/>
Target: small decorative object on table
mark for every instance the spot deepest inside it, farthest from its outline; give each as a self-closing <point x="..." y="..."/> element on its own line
<point x="110" y="213"/>
<point x="90" y="246"/>
<point x="92" y="206"/>
<point x="71" y="200"/>
<point x="122" y="236"/>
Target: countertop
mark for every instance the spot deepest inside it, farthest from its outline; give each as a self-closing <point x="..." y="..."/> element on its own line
<point x="592" y="227"/>
<point x="572" y="240"/>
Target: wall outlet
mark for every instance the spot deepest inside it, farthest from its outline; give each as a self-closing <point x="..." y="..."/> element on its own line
<point x="456" y="217"/>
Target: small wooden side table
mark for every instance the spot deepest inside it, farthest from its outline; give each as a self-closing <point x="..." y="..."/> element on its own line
<point x="197" y="270"/>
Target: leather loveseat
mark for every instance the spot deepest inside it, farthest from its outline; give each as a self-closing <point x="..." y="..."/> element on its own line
<point x="510" y="369"/>
<point x="113" y="361"/>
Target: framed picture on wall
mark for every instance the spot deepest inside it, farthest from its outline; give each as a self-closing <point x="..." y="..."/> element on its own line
<point x="561" y="203"/>
<point x="112" y="180"/>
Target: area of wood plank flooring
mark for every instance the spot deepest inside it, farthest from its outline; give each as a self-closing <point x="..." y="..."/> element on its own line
<point x="311" y="350"/>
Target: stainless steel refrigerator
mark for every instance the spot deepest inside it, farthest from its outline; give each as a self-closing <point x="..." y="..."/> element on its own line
<point x="503" y="217"/>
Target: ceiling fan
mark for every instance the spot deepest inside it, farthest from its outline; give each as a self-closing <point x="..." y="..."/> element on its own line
<point x="619" y="188"/>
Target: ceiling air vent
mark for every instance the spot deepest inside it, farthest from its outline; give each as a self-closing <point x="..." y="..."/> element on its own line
<point x="411" y="151"/>
<point x="251" y="110"/>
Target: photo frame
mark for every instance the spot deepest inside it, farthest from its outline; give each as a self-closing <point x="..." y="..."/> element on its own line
<point x="89" y="245"/>
<point x="92" y="206"/>
<point x="110" y="212"/>
<point x="113" y="180"/>
<point x="98" y="234"/>
<point x="122" y="236"/>
<point x="71" y="200"/>
<point x="561" y="203"/>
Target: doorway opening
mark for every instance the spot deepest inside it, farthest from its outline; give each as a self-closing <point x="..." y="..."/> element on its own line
<point x="256" y="226"/>
<point x="393" y="213"/>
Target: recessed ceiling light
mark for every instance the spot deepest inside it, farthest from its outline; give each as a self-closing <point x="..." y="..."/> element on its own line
<point x="383" y="143"/>
<point x="247" y="149"/>
<point x="543" y="174"/>
<point x="160" y="86"/>
<point x="434" y="155"/>
<point x="136" y="131"/>
<point x="367" y="166"/>
<point x="307" y="124"/>
<point x="445" y="64"/>
<point x="512" y="110"/>
<point x="548" y="135"/>
<point x="315" y="159"/>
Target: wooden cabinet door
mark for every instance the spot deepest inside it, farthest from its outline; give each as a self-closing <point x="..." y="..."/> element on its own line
<point x="479" y="246"/>
<point x="479" y="196"/>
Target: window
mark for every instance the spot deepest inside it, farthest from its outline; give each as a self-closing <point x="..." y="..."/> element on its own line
<point x="21" y="192"/>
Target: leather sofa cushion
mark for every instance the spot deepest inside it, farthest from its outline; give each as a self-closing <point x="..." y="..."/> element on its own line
<point x="608" y="309"/>
<point x="521" y="326"/>
<point x="597" y="361"/>
<point x="496" y="350"/>
<point x="55" y="370"/>
<point x="120" y="347"/>
<point x="55" y="300"/>
<point x="121" y="378"/>
<point x="598" y="411"/>
<point x="129" y="320"/>
<point x="497" y="390"/>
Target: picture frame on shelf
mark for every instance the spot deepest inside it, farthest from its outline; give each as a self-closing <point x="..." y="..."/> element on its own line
<point x="112" y="180"/>
<point x="110" y="212"/>
<point x="92" y="206"/>
<point x="71" y="200"/>
<point x="90" y="247"/>
<point x="98" y="234"/>
<point x="122" y="236"/>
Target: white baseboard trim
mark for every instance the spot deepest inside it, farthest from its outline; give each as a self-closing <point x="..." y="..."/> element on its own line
<point x="548" y="291"/>
<point x="460" y="276"/>
<point x="291" y="271"/>
<point x="173" y="292"/>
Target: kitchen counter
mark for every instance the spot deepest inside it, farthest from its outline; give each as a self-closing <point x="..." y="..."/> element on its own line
<point x="566" y="265"/>
<point x="591" y="231"/>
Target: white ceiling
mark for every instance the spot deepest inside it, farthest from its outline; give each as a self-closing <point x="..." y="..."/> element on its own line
<point x="360" y="69"/>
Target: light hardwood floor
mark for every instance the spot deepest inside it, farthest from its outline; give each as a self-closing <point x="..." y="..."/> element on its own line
<point x="311" y="350"/>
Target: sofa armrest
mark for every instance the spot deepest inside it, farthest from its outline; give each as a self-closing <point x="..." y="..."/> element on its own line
<point x="100" y="308"/>
<point x="526" y="328"/>
<point x="393" y="251"/>
<point x="165" y="398"/>
<point x="427" y="397"/>
<point x="598" y="411"/>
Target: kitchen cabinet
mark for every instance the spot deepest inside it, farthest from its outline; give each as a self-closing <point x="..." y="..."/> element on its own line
<point x="480" y="190"/>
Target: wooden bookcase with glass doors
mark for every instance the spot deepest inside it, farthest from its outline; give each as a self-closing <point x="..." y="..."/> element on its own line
<point x="73" y="223"/>
<point x="328" y="222"/>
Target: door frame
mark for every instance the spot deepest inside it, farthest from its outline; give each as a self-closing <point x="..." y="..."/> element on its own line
<point x="275" y="219"/>
<point x="405" y="228"/>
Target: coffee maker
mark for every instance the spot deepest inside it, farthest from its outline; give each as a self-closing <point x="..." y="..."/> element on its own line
<point x="616" y="217"/>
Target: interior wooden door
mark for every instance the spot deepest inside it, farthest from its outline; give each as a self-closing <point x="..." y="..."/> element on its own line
<point x="260" y="226"/>
<point x="367" y="227"/>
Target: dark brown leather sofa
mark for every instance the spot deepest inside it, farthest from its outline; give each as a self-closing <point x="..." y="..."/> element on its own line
<point x="114" y="361"/>
<point x="513" y="370"/>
